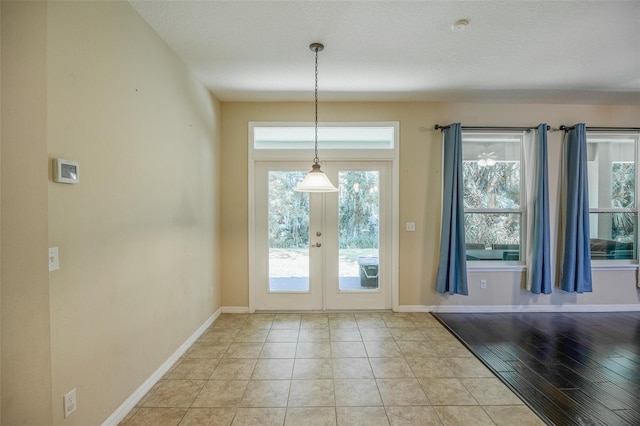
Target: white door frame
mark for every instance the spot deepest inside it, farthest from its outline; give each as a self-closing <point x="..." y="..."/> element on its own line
<point x="391" y="155"/>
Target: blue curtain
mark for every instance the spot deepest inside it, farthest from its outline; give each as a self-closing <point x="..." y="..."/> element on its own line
<point x="452" y="266"/>
<point x="540" y="267"/>
<point x="576" y="258"/>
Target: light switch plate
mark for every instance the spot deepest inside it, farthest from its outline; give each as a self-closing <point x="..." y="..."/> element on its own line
<point x="54" y="260"/>
<point x="411" y="226"/>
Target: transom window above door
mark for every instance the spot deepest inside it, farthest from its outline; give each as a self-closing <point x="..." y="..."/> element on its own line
<point x="336" y="141"/>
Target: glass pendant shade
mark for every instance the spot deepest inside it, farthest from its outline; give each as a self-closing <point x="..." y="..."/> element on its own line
<point x="316" y="181"/>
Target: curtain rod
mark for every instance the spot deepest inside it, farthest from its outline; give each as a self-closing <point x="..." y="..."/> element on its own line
<point x="516" y="129"/>
<point x="602" y="129"/>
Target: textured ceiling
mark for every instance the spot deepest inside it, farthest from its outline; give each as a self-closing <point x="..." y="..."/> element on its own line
<point x="511" y="51"/>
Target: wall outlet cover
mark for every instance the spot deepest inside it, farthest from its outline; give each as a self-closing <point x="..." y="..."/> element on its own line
<point x="54" y="259"/>
<point x="70" y="402"/>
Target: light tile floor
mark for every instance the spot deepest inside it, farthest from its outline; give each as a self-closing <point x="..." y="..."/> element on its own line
<point x="366" y="368"/>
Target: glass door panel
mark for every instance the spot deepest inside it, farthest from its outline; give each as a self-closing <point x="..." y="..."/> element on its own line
<point x="288" y="229"/>
<point x="358" y="230"/>
<point x="287" y="267"/>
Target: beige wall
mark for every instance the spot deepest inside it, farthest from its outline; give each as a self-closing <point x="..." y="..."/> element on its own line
<point x="420" y="162"/>
<point x="25" y="351"/>
<point x="138" y="236"/>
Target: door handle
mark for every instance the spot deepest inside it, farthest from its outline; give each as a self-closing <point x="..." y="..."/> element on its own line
<point x="317" y="245"/>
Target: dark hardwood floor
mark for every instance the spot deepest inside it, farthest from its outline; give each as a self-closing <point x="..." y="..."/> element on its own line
<point x="570" y="368"/>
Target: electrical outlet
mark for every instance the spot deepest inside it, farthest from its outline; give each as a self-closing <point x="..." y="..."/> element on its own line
<point x="70" y="403"/>
<point x="483" y="284"/>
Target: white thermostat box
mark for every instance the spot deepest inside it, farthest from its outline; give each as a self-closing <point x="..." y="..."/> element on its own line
<point x="66" y="171"/>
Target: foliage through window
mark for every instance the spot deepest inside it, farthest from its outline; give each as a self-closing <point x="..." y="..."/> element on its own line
<point x="623" y="197"/>
<point x="613" y="219"/>
<point x="359" y="206"/>
<point x="358" y="216"/>
<point x="288" y="211"/>
<point x="492" y="175"/>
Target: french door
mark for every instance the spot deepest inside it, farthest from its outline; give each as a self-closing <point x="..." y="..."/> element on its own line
<point x="316" y="251"/>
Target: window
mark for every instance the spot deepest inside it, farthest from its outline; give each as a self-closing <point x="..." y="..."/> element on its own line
<point x="336" y="141"/>
<point x="330" y="136"/>
<point x="493" y="195"/>
<point x="613" y="212"/>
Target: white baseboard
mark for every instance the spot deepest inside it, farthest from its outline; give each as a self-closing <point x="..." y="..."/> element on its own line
<point x="517" y="308"/>
<point x="124" y="409"/>
<point x="235" y="309"/>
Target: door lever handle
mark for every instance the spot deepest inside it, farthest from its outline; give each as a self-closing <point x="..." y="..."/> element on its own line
<point x="317" y="245"/>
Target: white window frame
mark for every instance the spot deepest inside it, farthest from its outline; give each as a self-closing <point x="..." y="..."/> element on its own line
<point x="502" y="265"/>
<point x="619" y="264"/>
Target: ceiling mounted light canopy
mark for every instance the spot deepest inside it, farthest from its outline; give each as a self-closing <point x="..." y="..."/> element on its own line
<point x="316" y="180"/>
<point x="460" y="25"/>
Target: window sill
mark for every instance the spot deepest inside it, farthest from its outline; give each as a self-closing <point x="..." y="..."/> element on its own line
<point x="596" y="265"/>
<point x="613" y="265"/>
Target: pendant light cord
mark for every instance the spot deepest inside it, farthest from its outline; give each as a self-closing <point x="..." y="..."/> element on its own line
<point x="316" y="180"/>
<point x="316" y="160"/>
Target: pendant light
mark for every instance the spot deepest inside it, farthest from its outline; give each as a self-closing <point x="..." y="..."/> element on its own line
<point x="316" y="180"/>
